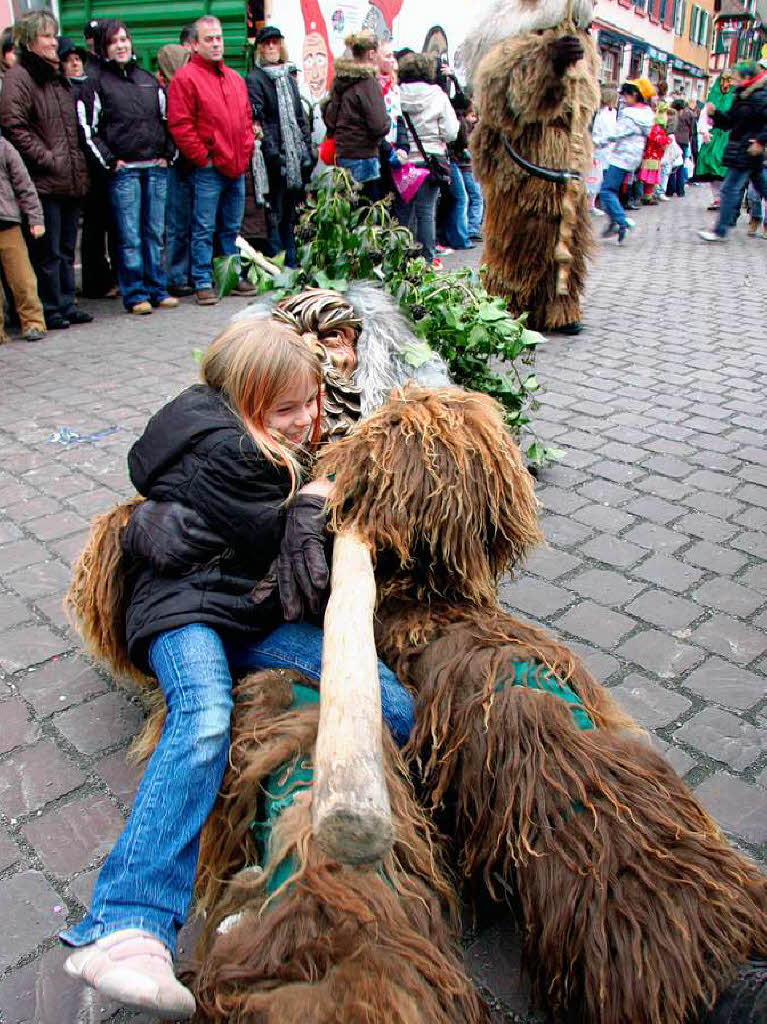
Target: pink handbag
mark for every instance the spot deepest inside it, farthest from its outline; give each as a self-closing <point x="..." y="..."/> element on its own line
<point x="408" y="179"/>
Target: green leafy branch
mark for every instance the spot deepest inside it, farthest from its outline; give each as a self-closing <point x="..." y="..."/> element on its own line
<point x="344" y="237"/>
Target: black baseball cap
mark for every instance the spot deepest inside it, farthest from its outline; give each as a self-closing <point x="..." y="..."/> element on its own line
<point x="267" y="33"/>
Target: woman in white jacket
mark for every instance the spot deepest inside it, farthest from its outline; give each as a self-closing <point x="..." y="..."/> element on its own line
<point x="429" y="115"/>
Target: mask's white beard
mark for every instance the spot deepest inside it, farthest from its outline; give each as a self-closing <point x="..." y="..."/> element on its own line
<point x="507" y="18"/>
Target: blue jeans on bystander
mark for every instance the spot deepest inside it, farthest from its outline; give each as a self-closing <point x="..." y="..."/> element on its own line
<point x="476" y="202"/>
<point x="457" y="227"/>
<point x="138" y="198"/>
<point x="179" y="209"/>
<point x="611" y="185"/>
<point x="733" y="187"/>
<point x="219" y="205"/>
<point x="147" y="880"/>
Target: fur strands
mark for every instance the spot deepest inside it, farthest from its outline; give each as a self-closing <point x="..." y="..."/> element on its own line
<point x="95" y="600"/>
<point x="333" y="944"/>
<point x="510" y="18"/>
<point x="635" y="907"/>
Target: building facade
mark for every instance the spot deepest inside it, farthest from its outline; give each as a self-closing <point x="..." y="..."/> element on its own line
<point x="663" y="40"/>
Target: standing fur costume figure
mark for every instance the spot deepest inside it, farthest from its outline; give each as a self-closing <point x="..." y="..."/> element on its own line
<point x="536" y="77"/>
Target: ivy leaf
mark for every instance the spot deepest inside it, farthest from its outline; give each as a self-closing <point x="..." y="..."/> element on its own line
<point x="417" y="354"/>
<point x="530" y="383"/>
<point x="532" y="337"/>
<point x="226" y="274"/>
<point x="197" y="354"/>
<point x="539" y="454"/>
<point x="286" y="279"/>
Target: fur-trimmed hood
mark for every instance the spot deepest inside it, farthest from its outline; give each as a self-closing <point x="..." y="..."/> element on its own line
<point x="418" y="67"/>
<point x="349" y="72"/>
<point x="507" y="18"/>
<point x="41" y="71"/>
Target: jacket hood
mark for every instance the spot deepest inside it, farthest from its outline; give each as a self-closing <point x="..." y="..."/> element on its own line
<point x="171" y="57"/>
<point x="41" y="70"/>
<point x="416" y="97"/>
<point x="181" y="423"/>
<point x="417" y="67"/>
<point x="349" y="73"/>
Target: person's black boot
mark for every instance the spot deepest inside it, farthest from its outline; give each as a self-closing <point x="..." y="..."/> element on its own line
<point x="745" y="1001"/>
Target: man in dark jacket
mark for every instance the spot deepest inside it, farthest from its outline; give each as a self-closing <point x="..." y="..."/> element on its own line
<point x="211" y="121"/>
<point x="356" y="115"/>
<point x="746" y="122"/>
<point x="286" y="137"/>
<point x="37" y="111"/>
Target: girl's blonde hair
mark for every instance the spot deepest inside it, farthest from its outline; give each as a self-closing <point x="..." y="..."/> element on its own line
<point x="252" y="363"/>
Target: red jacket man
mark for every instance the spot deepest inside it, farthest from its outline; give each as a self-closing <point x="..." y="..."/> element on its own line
<point x="211" y="121"/>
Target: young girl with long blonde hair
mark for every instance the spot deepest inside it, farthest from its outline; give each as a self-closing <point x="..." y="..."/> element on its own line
<point x="223" y="467"/>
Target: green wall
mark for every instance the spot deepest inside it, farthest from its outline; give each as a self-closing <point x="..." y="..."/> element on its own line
<point x="153" y="23"/>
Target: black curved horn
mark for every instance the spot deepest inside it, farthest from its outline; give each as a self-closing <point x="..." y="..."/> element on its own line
<point x="547" y="173"/>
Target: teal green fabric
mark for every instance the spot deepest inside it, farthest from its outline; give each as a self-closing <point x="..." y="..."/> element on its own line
<point x="538" y="677"/>
<point x="282" y="788"/>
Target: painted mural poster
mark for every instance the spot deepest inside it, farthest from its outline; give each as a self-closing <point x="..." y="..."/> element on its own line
<point x="315" y="31"/>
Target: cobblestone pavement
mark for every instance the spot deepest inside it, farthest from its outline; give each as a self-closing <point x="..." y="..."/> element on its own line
<point x="655" y="569"/>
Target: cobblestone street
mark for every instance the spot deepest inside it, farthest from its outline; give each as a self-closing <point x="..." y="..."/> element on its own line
<point x="655" y="569"/>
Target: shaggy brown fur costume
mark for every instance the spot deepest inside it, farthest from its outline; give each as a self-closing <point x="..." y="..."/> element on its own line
<point x="332" y="944"/>
<point x="547" y="119"/>
<point x="636" y="910"/>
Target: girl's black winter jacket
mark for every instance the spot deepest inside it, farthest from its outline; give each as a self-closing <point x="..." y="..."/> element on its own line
<point x="122" y="113"/>
<point x="196" y="452"/>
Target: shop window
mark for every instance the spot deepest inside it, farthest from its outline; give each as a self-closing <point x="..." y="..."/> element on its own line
<point x="609" y="66"/>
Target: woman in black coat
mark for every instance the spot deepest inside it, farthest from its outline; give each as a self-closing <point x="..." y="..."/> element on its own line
<point x="744" y="157"/>
<point x="286" y="137"/>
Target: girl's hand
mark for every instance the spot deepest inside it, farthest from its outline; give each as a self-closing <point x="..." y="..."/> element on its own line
<point x="303" y="573"/>
<point x="37" y="230"/>
<point x="120" y="165"/>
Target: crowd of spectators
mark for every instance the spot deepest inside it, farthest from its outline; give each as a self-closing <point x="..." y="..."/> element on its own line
<point x="157" y="173"/>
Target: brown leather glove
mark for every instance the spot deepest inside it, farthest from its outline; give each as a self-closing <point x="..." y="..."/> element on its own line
<point x="303" y="573"/>
<point x="565" y="52"/>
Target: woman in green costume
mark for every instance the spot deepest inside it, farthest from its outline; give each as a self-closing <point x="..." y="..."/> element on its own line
<point x="709" y="166"/>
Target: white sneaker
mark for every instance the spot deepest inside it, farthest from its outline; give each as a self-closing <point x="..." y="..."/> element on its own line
<point x="710" y="236"/>
<point x="596" y="212"/>
<point x="663" y="198"/>
<point x="136" y="969"/>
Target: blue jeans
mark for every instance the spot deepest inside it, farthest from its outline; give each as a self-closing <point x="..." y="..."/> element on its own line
<point x="476" y="202"/>
<point x="179" y="224"/>
<point x="219" y="205"/>
<point x="147" y="881"/>
<point x="733" y="187"/>
<point x="420" y="215"/>
<point x="457" y="227"/>
<point x="362" y="169"/>
<point x="611" y="186"/>
<point x="138" y="201"/>
<point x="754" y="203"/>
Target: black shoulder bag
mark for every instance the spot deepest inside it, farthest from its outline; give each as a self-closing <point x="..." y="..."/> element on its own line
<point x="439" y="167"/>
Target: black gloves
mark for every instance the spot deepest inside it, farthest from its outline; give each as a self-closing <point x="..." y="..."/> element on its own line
<point x="172" y="537"/>
<point x="564" y="52"/>
<point x="302" y="566"/>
